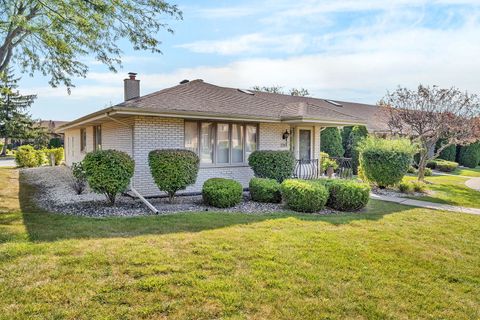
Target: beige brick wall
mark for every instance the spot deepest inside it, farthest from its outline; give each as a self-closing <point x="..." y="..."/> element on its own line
<point x="270" y="137"/>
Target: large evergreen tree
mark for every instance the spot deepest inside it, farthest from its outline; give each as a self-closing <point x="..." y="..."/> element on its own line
<point x="15" y="122"/>
<point x="331" y="142"/>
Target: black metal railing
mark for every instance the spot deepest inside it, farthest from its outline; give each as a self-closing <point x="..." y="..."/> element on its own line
<point x="345" y="168"/>
<point x="311" y="169"/>
<point x="307" y="169"/>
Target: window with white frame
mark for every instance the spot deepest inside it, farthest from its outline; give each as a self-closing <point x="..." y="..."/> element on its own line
<point x="221" y="143"/>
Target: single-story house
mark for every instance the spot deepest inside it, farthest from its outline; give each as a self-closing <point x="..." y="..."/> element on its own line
<point x="222" y="125"/>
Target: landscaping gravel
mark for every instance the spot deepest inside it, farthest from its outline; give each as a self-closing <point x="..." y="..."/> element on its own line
<point x="54" y="194"/>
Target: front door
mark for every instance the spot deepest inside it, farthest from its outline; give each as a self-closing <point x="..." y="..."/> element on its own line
<point x="305" y="144"/>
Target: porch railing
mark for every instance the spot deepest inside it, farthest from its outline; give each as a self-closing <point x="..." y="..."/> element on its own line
<point x="310" y="169"/>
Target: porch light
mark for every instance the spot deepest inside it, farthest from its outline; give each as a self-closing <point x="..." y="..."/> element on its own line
<point x="285" y="135"/>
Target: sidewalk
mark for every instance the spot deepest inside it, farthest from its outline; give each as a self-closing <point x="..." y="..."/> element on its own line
<point x="426" y="204"/>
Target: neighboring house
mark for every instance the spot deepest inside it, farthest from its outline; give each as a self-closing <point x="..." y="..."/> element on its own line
<point x="222" y="125"/>
<point x="51" y="126"/>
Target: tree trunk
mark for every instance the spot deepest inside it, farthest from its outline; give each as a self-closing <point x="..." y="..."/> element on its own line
<point x="421" y="165"/>
<point x="4" y="149"/>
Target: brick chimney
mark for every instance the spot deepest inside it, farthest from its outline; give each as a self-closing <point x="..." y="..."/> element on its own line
<point x="131" y="87"/>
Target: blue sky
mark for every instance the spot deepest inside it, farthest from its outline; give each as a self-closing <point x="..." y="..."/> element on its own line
<point x="347" y="50"/>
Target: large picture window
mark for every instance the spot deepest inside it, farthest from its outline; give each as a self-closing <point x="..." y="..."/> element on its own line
<point x="221" y="143"/>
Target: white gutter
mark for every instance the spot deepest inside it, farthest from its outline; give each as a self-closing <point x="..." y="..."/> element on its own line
<point x="134" y="191"/>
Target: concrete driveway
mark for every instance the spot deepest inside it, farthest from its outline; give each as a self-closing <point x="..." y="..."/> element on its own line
<point x="9" y="162"/>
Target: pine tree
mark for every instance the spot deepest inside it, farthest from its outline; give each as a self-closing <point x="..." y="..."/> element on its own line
<point x="15" y="122"/>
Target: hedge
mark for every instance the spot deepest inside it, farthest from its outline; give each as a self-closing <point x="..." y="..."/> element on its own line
<point x="173" y="169"/>
<point x="58" y="154"/>
<point x="222" y="193"/>
<point x="442" y="165"/>
<point x="449" y="153"/>
<point x="108" y="172"/>
<point x="265" y="190"/>
<point x="356" y="136"/>
<point x="385" y="162"/>
<point x="303" y="195"/>
<point x="278" y="165"/>
<point x="346" y="195"/>
<point x="331" y="142"/>
<point x="27" y="156"/>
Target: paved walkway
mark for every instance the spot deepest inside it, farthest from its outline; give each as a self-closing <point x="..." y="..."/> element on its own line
<point x="7" y="163"/>
<point x="474" y="184"/>
<point x="425" y="204"/>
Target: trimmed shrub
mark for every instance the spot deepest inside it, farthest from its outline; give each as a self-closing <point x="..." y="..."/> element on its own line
<point x="108" y="172"/>
<point x="58" y="154"/>
<point x="419" y="186"/>
<point x="469" y="156"/>
<point x="428" y="172"/>
<point x="331" y="142"/>
<point x="173" y="169"/>
<point x="265" y="190"/>
<point x="385" y="162"/>
<point x="79" y="178"/>
<point x="41" y="157"/>
<point x="412" y="170"/>
<point x="445" y="166"/>
<point x="346" y="195"/>
<point x="222" y="193"/>
<point x="326" y="162"/>
<point x="303" y="195"/>
<point x="278" y="165"/>
<point x="405" y="187"/>
<point x="431" y="164"/>
<point x="26" y="156"/>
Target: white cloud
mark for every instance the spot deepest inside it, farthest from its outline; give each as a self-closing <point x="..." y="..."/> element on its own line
<point x="249" y="43"/>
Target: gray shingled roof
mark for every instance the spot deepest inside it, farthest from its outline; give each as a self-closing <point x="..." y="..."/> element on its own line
<point x="199" y="96"/>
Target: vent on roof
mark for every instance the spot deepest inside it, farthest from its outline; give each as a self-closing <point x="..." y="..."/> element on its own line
<point x="246" y="91"/>
<point x="184" y="81"/>
<point x="334" y="103"/>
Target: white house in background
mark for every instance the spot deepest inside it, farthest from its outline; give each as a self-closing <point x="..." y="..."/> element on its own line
<point x="222" y="125"/>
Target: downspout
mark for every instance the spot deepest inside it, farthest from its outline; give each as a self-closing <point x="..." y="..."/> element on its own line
<point x="135" y="192"/>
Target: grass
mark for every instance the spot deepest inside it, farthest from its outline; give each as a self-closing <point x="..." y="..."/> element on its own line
<point x="449" y="190"/>
<point x="469" y="172"/>
<point x="389" y="262"/>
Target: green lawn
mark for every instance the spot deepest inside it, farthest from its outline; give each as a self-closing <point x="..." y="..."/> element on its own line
<point x="449" y="190"/>
<point x="390" y="262"/>
<point x="469" y="172"/>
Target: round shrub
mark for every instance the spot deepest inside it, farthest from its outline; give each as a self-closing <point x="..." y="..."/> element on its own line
<point x="55" y="143"/>
<point x="278" y="165"/>
<point x="332" y="142"/>
<point x="26" y="156"/>
<point x="303" y="195"/>
<point x="222" y="193"/>
<point x="173" y="169"/>
<point x="412" y="170"/>
<point x="385" y="162"/>
<point x="58" y="154"/>
<point x="419" y="186"/>
<point x="108" y="172"/>
<point x="265" y="190"/>
<point x="428" y="172"/>
<point x="405" y="187"/>
<point x="445" y="166"/>
<point x="41" y="157"/>
<point x="346" y="195"/>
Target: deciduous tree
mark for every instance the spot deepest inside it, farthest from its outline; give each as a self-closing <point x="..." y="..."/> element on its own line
<point x="429" y="114"/>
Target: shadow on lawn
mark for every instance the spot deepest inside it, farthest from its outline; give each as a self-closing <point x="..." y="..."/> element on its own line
<point x="42" y="226"/>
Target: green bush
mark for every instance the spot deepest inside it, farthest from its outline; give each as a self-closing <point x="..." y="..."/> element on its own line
<point x="346" y="195"/>
<point x="303" y="195"/>
<point x="405" y="187"/>
<point x="278" y="165"/>
<point x="108" y="172"/>
<point x="331" y="142"/>
<point x="173" y="169"/>
<point x="385" y="162"/>
<point x="449" y="153"/>
<point x="326" y="162"/>
<point x="419" y="186"/>
<point x="26" y="156"/>
<point x="412" y="170"/>
<point x="55" y="143"/>
<point x="469" y="156"/>
<point x="222" y="193"/>
<point x="428" y="172"/>
<point x="58" y="154"/>
<point x="41" y="157"/>
<point x="346" y="142"/>
<point x="445" y="166"/>
<point x="265" y="190"/>
<point x="431" y="164"/>
<point x="79" y="181"/>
